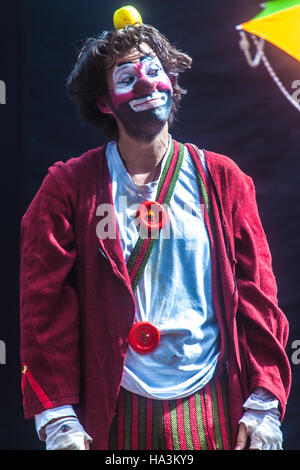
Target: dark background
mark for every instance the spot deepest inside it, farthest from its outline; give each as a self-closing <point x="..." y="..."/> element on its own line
<point x="230" y="108"/>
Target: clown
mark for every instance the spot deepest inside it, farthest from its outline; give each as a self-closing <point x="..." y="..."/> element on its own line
<point x="169" y="339"/>
<point x="140" y="92"/>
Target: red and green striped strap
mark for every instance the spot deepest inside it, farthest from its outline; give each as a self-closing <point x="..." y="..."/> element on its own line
<point x="141" y="252"/>
<point x="210" y="222"/>
<point x="200" y="174"/>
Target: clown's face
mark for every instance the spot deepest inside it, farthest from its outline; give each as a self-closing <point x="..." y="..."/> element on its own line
<point x="140" y="93"/>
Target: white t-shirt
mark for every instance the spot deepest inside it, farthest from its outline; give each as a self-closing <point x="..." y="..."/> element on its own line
<point x="175" y="291"/>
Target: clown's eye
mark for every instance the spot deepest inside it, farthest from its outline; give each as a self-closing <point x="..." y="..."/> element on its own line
<point x="153" y="67"/>
<point x="125" y="81"/>
<point x="153" y="71"/>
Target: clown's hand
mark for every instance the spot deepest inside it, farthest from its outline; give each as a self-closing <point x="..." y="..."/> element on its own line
<point x="263" y="428"/>
<point x="66" y="434"/>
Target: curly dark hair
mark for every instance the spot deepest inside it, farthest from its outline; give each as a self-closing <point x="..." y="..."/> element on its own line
<point x="87" y="81"/>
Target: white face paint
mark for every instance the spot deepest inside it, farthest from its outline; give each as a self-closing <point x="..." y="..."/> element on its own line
<point x="125" y="77"/>
<point x="140" y="93"/>
<point x="158" y="98"/>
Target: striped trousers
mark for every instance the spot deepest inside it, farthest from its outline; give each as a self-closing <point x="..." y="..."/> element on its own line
<point x="197" y="422"/>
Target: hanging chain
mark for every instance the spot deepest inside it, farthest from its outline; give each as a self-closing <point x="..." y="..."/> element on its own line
<point x="260" y="55"/>
<point x="245" y="46"/>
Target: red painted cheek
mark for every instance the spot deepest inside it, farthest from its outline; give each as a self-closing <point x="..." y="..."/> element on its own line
<point x="122" y="98"/>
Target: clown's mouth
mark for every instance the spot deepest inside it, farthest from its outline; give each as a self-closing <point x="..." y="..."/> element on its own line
<point x="154" y="100"/>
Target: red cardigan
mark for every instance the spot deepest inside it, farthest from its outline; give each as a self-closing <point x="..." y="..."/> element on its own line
<point x="77" y="305"/>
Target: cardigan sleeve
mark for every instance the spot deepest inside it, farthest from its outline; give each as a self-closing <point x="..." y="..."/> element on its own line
<point x="49" y="307"/>
<point x="262" y="326"/>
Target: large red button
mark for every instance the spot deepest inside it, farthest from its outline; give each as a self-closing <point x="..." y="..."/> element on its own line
<point x="143" y="337"/>
<point x="152" y="215"/>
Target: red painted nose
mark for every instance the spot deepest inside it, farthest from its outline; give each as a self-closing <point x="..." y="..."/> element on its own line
<point x="144" y="87"/>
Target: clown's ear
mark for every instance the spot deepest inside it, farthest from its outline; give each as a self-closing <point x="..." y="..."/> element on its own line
<point x="103" y="105"/>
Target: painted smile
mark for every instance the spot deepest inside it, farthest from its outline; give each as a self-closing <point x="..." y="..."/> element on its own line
<point x="154" y="100"/>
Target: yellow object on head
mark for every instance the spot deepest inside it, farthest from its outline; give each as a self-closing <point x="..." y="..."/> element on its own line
<point x="126" y="15"/>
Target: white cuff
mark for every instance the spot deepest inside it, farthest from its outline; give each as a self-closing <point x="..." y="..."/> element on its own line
<point x="45" y="416"/>
<point x="261" y="399"/>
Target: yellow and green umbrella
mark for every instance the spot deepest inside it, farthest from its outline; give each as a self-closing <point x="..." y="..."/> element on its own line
<point x="279" y="24"/>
